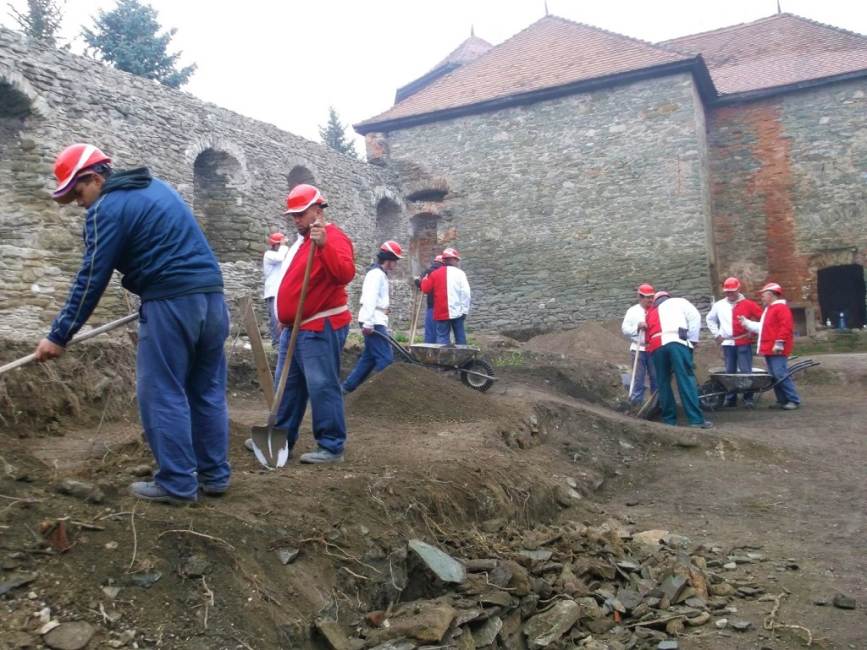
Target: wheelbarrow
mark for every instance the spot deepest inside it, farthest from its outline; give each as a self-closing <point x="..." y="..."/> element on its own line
<point x="712" y="392"/>
<point x="475" y="371"/>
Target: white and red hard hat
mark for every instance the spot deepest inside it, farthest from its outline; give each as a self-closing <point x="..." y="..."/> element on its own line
<point x="302" y="197"/>
<point x="275" y="238"/>
<point x="732" y="284"/>
<point x="392" y="247"/>
<point x="661" y="294"/>
<point x="645" y="290"/>
<point x="451" y="253"/>
<point x="438" y="258"/>
<point x="69" y="164"/>
<point x="772" y="286"/>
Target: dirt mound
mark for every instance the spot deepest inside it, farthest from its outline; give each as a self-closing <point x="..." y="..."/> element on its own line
<point x="590" y="340"/>
<point x="408" y="393"/>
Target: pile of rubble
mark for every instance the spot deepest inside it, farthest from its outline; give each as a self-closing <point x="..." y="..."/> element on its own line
<point x="598" y="588"/>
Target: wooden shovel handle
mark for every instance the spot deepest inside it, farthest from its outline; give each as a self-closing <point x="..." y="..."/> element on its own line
<point x="96" y="331"/>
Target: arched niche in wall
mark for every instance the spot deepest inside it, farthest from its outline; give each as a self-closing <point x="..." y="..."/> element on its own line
<point x="218" y="177"/>
<point x="300" y="174"/>
<point x="388" y="224"/>
<point x="424" y="243"/>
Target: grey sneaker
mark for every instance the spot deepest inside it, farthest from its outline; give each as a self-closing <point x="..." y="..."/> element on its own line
<point x="150" y="491"/>
<point x="320" y="457"/>
<point x="704" y="425"/>
<point x="790" y="406"/>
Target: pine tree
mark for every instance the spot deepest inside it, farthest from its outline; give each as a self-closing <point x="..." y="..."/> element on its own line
<point x="333" y="135"/>
<point x="41" y="21"/>
<point x="127" y="37"/>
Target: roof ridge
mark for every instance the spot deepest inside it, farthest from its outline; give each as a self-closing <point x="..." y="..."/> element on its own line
<point x="828" y="26"/>
<point x="656" y="46"/>
<point x="784" y="14"/>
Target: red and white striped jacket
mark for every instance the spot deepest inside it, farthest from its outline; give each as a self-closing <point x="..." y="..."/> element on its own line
<point x="775" y="325"/>
<point x="451" y="292"/>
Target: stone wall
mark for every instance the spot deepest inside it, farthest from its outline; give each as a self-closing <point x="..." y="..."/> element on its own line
<point x="561" y="208"/>
<point x="789" y="187"/>
<point x="234" y="171"/>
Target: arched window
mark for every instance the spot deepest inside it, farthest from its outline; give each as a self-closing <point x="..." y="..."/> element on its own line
<point x="423" y="244"/>
<point x="298" y="175"/>
<point x="217" y="204"/>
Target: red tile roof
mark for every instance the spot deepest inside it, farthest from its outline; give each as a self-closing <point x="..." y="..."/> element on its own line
<point x="549" y="53"/>
<point x="777" y="51"/>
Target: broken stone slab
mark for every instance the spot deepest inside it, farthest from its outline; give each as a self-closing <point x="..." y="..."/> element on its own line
<point x="721" y="623"/>
<point x="650" y="537"/>
<point x="143" y="580"/>
<point x="487" y="632"/>
<point x="16" y="581"/>
<point x="194" y="566"/>
<point x="424" y="620"/>
<point x="741" y="626"/>
<point x="70" y="636"/>
<point x="673" y="587"/>
<point x="332" y="633"/>
<point x="537" y="555"/>
<point x="668" y="644"/>
<point x="547" y="627"/>
<point x="500" y="576"/>
<point x="80" y="490"/>
<point x="479" y="565"/>
<point x="464" y="641"/>
<point x="444" y="566"/>
<point x="496" y="597"/>
<point x="465" y="616"/>
<point x="842" y="601"/>
<point x="287" y="555"/>
<point x="629" y="598"/>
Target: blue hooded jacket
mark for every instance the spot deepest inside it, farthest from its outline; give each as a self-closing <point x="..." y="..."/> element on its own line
<point x="140" y="226"/>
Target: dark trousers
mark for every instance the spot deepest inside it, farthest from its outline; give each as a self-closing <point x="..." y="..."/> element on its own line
<point x="181" y="387"/>
<point x="377" y="355"/>
<point x="430" y="328"/>
<point x="738" y="358"/>
<point x="778" y="366"/>
<point x="446" y="327"/>
<point x="314" y="376"/>
<point x="643" y="371"/>
<point x="273" y="324"/>
<point x="676" y="359"/>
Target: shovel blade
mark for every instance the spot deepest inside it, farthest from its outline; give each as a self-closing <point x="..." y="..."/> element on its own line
<point x="270" y="446"/>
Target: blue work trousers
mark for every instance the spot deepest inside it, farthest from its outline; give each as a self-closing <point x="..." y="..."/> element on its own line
<point x="778" y="366"/>
<point x="377" y="355"/>
<point x="430" y="327"/>
<point x="314" y="376"/>
<point x="643" y="371"/>
<point x="446" y="327"/>
<point x="676" y="359"/>
<point x="738" y="358"/>
<point x="181" y="386"/>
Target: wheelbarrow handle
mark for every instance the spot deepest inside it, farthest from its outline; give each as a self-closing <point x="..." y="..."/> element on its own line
<point x="96" y="331"/>
<point x="406" y="354"/>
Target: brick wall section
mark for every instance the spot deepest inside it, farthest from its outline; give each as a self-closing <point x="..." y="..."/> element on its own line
<point x="237" y="196"/>
<point x="789" y="186"/>
<point x="561" y="208"/>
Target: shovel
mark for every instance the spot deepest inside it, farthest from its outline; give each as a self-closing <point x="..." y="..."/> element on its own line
<point x="78" y="339"/>
<point x="420" y="299"/>
<point x="635" y="364"/>
<point x="270" y="444"/>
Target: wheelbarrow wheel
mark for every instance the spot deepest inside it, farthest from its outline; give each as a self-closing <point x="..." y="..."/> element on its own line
<point x="475" y="382"/>
<point x="710" y="396"/>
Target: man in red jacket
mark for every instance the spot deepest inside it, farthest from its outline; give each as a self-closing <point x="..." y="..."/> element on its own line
<point x="315" y="371"/>
<point x="776" y="339"/>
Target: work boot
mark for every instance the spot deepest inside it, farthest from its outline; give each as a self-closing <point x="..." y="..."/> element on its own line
<point x="320" y="457"/>
<point x="790" y="406"/>
<point x="150" y="491"/>
<point x="214" y="489"/>
<point x="707" y="424"/>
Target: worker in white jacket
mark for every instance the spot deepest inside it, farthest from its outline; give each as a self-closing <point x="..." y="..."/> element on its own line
<point x="373" y="317"/>
<point x="271" y="263"/>
<point x="634" y="327"/>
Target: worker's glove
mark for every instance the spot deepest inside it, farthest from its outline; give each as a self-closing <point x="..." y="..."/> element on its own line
<point x="642" y="326"/>
<point x="367" y="331"/>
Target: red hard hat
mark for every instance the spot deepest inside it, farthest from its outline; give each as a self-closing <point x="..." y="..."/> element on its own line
<point x="732" y="284"/>
<point x="302" y="197"/>
<point x="438" y="258"/>
<point x="392" y="247"/>
<point x="660" y="294"/>
<point x="71" y="161"/>
<point x="772" y="286"/>
<point x="275" y="238"/>
<point x="645" y="290"/>
<point x="451" y="253"/>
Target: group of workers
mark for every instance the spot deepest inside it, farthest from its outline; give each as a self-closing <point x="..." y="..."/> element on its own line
<point x="664" y="331"/>
<point x="140" y="225"/>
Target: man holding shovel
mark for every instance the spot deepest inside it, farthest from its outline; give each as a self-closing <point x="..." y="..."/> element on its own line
<point x="140" y="226"/>
<point x="634" y="327"/>
<point x="324" y="255"/>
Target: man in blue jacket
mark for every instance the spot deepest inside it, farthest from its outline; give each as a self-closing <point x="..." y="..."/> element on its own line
<point x="141" y="226"/>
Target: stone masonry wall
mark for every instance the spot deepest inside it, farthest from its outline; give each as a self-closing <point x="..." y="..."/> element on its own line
<point x="233" y="170"/>
<point x="789" y="188"/>
<point x="561" y="208"/>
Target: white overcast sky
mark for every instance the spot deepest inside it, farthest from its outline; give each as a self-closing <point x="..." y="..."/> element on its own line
<point x="286" y="61"/>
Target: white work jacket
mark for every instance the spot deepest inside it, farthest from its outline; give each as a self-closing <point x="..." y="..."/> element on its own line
<point x="719" y="321"/>
<point x="676" y="313"/>
<point x="271" y="262"/>
<point x="374" y="298"/>
<point x="634" y="316"/>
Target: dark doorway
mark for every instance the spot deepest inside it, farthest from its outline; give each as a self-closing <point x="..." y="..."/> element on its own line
<point x="842" y="289"/>
<point x="423" y="243"/>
